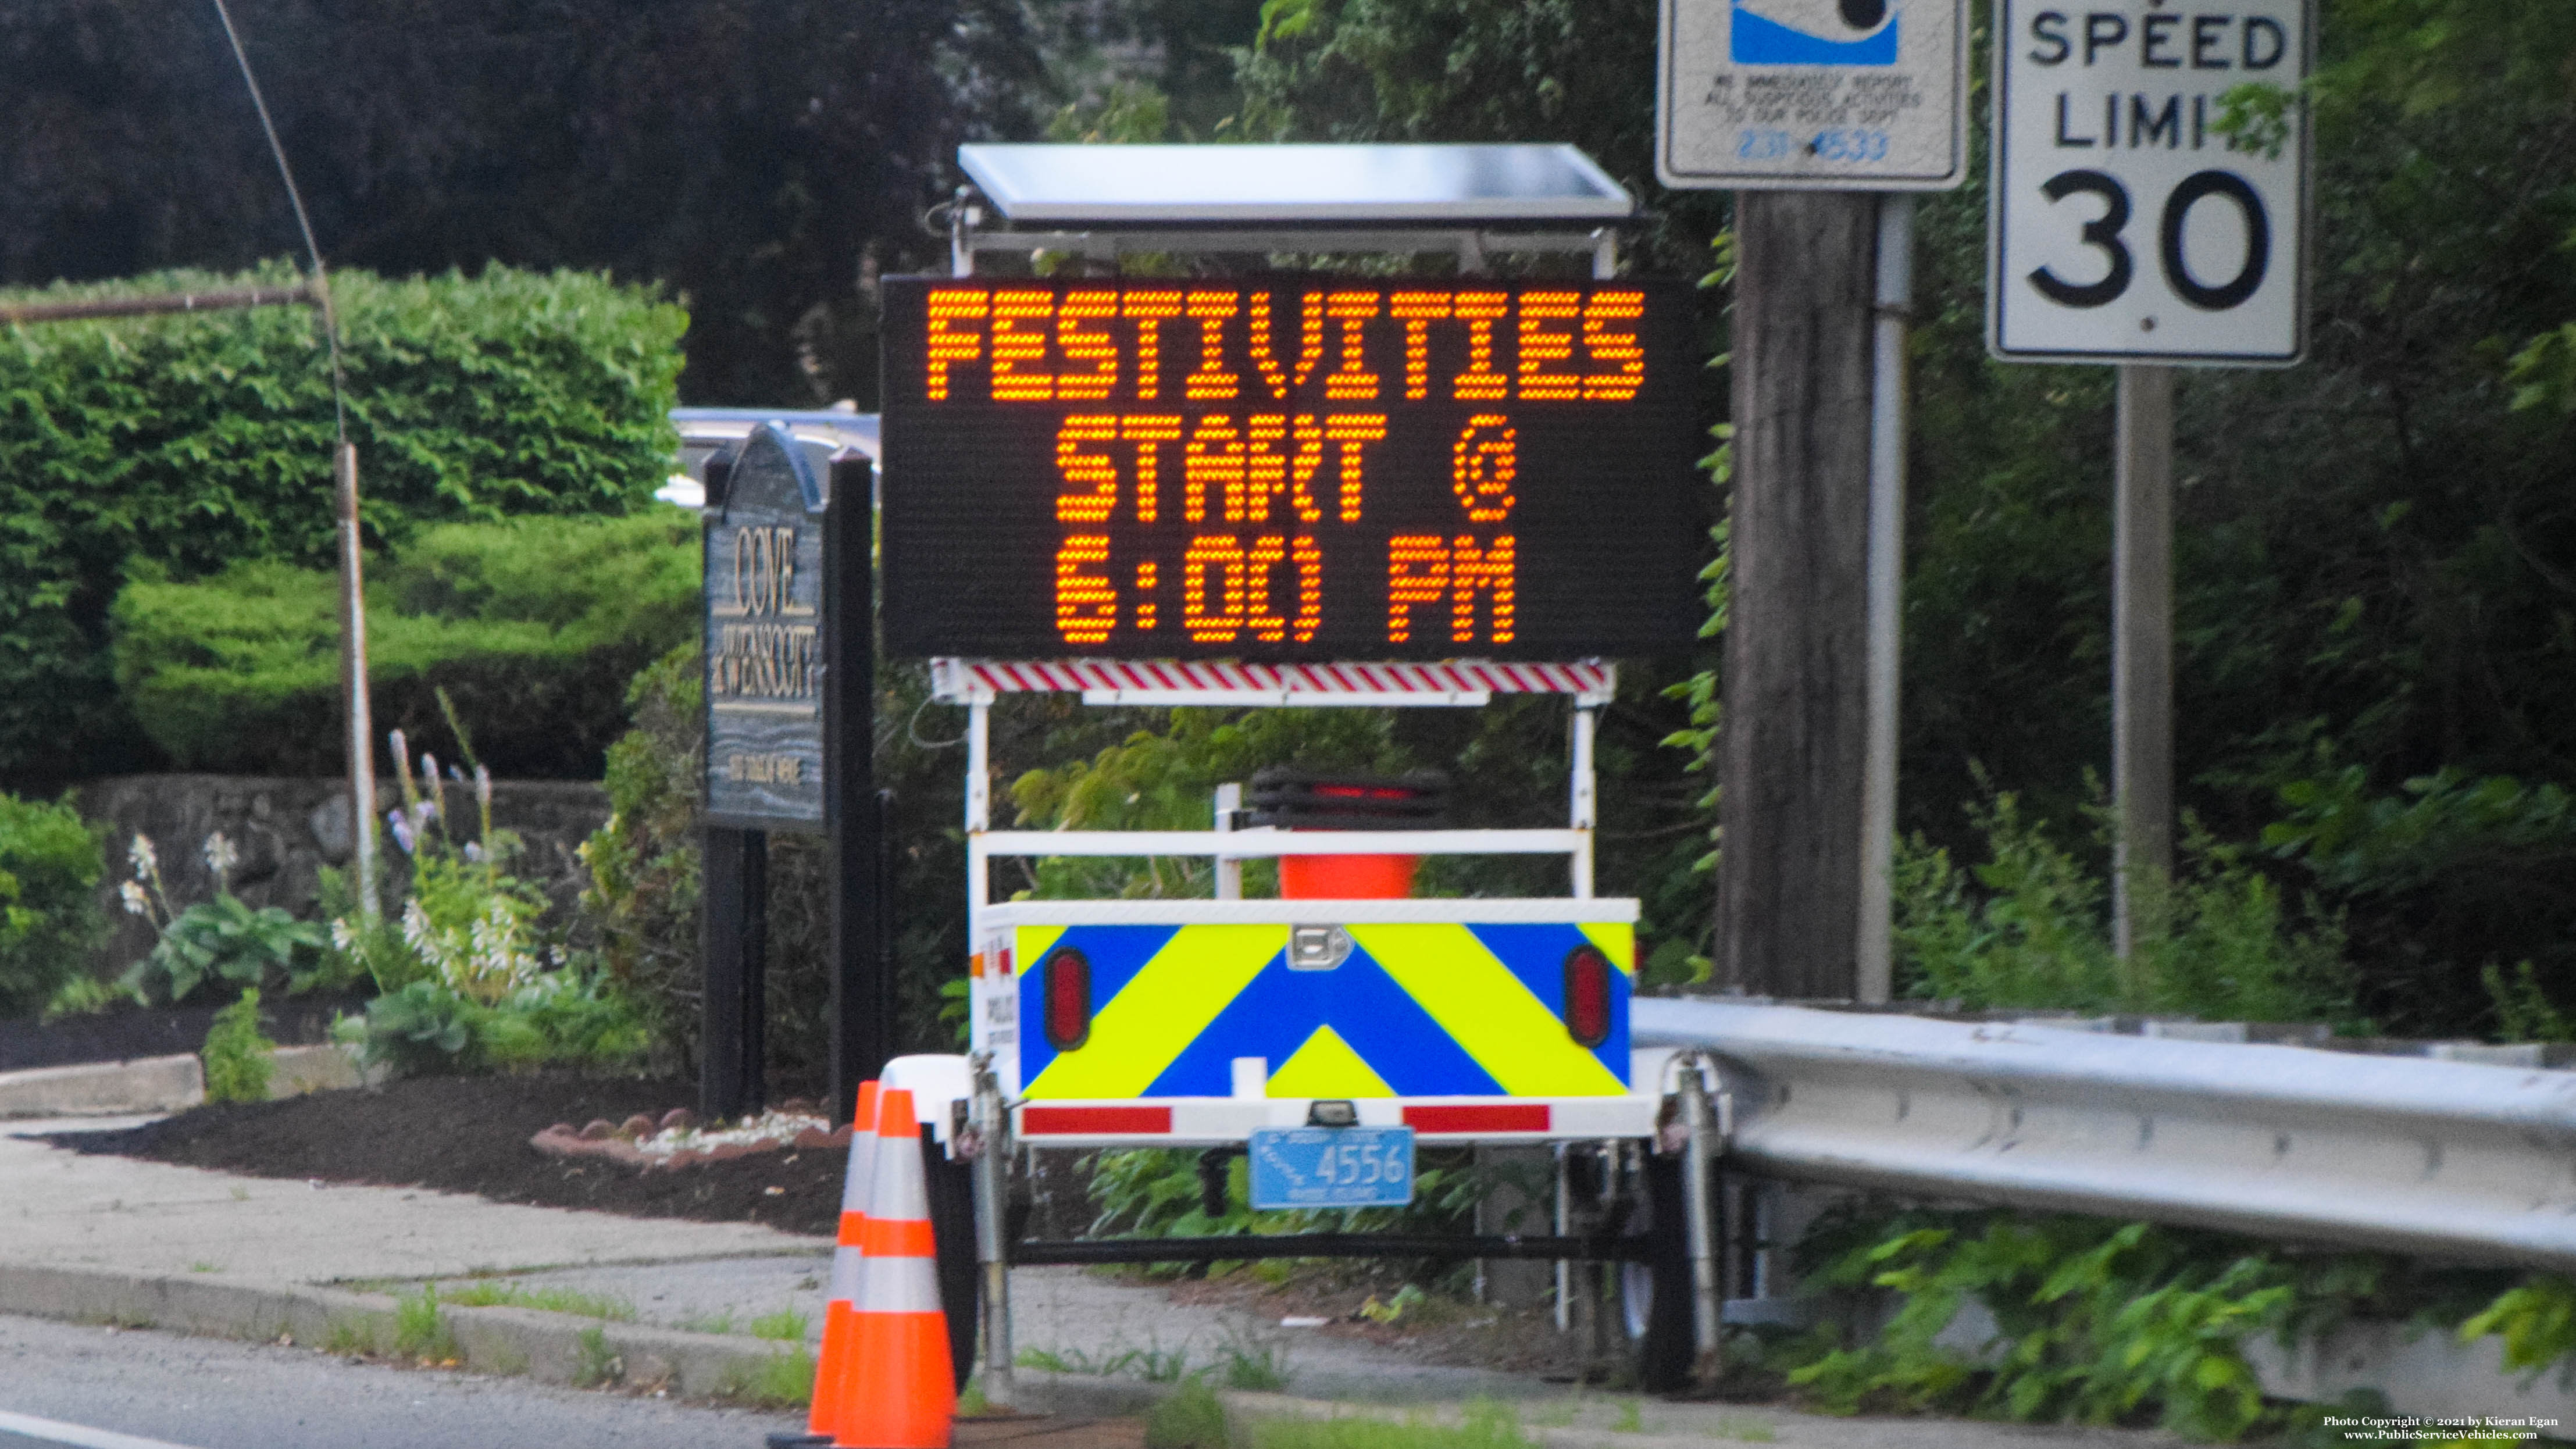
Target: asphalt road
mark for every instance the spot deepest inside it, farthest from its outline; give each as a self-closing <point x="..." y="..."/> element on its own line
<point x="67" y="1384"/>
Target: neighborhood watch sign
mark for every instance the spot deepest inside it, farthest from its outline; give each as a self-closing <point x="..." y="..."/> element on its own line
<point x="1835" y="94"/>
<point x="764" y="633"/>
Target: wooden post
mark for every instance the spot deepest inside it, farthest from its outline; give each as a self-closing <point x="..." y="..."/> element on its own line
<point x="862" y="1020"/>
<point x="1792" y="751"/>
<point x="353" y="684"/>
<point x="2142" y="649"/>
<point x="732" y="1066"/>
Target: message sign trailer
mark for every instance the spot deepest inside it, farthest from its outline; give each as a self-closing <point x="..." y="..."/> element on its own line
<point x="1159" y="1023"/>
<point x="2125" y="228"/>
<point x="1832" y="95"/>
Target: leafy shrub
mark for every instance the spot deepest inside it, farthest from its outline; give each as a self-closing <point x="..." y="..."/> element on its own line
<point x="187" y="443"/>
<point x="219" y="939"/>
<point x="567" y="1016"/>
<point x="2029" y="928"/>
<point x="2536" y="1319"/>
<point x="2107" y="1322"/>
<point x="225" y="939"/>
<point x="467" y="982"/>
<point x="2445" y="878"/>
<point x="642" y="903"/>
<point x="238" y="1057"/>
<point x="532" y="627"/>
<point x="50" y="863"/>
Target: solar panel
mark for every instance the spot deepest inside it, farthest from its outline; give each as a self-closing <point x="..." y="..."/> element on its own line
<point x="1223" y="185"/>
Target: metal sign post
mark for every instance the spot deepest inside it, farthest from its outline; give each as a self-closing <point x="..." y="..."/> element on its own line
<point x="2126" y="228"/>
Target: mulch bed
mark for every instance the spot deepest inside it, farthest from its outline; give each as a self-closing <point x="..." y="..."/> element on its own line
<point x="470" y="1134"/>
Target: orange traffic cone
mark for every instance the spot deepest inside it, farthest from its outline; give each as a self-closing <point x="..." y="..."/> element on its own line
<point x="836" y="1367"/>
<point x="902" y="1395"/>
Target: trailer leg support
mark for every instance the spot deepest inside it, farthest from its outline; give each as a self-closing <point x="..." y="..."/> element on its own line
<point x="992" y="1208"/>
<point x="1699" y="1209"/>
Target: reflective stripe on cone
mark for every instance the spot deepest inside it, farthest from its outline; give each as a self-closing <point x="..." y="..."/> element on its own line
<point x="834" y="1368"/>
<point x="903" y="1394"/>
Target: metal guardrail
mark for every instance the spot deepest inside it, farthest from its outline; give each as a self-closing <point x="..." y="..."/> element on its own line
<point x="2454" y="1159"/>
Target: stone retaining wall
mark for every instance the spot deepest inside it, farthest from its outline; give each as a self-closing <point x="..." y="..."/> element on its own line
<point x="287" y="829"/>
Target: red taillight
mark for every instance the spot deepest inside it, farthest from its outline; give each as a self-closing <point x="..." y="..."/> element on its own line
<point x="1587" y="996"/>
<point x="1068" y="999"/>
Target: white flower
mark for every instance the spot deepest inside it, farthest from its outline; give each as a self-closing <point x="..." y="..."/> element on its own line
<point x="137" y="901"/>
<point x="344" y="937"/>
<point x="220" y="855"/>
<point x="140" y="852"/>
<point x="474" y="851"/>
<point x="400" y="824"/>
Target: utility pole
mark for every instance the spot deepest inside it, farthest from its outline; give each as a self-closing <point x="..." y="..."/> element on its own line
<point x="1794" y="744"/>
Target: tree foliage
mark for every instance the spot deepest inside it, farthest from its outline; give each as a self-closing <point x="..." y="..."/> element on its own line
<point x="760" y="157"/>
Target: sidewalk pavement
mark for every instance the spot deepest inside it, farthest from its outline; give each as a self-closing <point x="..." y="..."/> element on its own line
<point x="146" y="1244"/>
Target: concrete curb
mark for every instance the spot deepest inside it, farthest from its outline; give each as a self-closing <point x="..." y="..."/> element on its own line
<point x="1082" y="1396"/>
<point x="148" y="1084"/>
<point x="165" y="1084"/>
<point x="548" y="1347"/>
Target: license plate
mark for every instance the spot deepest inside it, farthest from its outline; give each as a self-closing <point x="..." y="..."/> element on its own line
<point x="1332" y="1167"/>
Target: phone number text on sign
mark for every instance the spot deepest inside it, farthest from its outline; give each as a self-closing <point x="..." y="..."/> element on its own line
<point x="1293" y="469"/>
<point x="1314" y="1167"/>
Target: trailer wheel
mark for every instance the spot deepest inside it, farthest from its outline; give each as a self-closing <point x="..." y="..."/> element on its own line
<point x="1655" y="1294"/>
<point x="951" y="1188"/>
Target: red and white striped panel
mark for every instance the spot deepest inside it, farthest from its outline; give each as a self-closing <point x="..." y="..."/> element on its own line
<point x="1201" y="1121"/>
<point x="960" y="678"/>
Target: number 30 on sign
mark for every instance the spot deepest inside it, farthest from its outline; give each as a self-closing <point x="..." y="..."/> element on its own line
<point x="2126" y="224"/>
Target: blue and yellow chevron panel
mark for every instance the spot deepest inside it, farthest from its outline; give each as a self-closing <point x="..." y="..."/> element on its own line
<point x="1415" y="1010"/>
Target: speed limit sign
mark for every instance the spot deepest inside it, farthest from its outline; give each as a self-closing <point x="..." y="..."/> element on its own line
<point x="2124" y="226"/>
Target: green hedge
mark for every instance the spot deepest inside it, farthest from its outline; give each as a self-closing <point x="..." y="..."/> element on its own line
<point x="532" y="626"/>
<point x="50" y="863"/>
<point x="174" y="447"/>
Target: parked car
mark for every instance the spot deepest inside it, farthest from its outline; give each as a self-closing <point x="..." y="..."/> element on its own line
<point x="707" y="433"/>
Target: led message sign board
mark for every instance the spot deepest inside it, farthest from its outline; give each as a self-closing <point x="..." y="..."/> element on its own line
<point x="1287" y="469"/>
